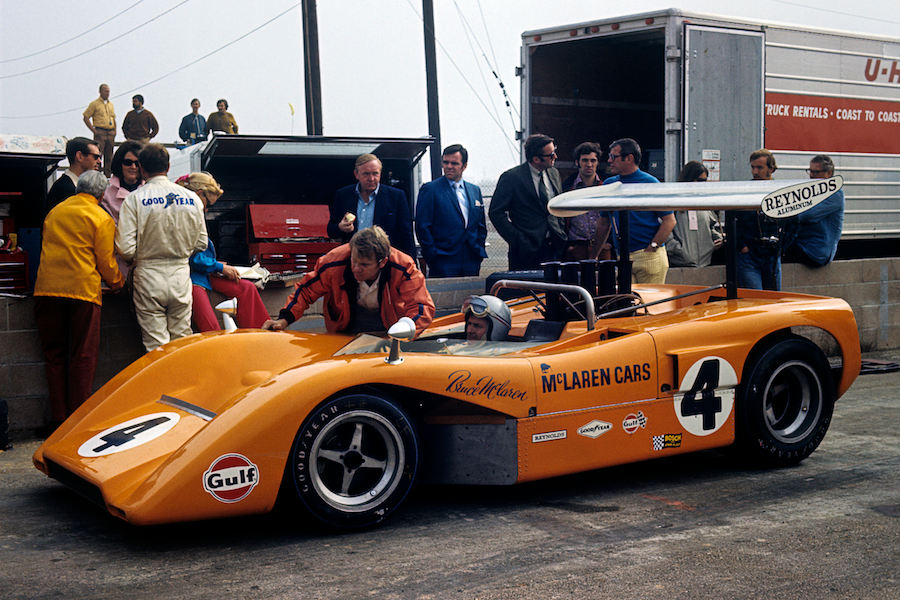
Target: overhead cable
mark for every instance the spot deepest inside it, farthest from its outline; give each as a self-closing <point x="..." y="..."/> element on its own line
<point x="106" y="43"/>
<point x="71" y="39"/>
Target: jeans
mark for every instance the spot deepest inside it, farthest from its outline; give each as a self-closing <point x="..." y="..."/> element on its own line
<point x="759" y="270"/>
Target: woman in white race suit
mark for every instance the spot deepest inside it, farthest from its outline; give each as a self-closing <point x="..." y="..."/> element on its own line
<point x="160" y="225"/>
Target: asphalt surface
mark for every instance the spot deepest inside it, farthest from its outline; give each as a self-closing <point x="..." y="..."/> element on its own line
<point x="694" y="526"/>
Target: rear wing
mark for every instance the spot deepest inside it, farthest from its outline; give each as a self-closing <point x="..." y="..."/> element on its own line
<point x="776" y="199"/>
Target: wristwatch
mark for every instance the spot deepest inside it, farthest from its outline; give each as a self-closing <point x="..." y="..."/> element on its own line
<point x="654" y="245"/>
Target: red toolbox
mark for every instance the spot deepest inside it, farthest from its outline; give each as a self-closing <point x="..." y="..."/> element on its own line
<point x="14" y="271"/>
<point x="288" y="238"/>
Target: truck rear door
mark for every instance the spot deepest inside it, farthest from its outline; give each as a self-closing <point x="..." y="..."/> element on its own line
<point x="723" y="98"/>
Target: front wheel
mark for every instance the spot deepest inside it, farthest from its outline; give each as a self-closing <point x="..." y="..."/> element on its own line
<point x="354" y="460"/>
<point x="785" y="403"/>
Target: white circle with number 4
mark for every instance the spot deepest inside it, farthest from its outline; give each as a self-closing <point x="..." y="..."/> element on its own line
<point x="129" y="434"/>
<point x="706" y="395"/>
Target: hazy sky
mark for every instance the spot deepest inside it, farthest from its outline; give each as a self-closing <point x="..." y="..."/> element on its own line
<point x="55" y="53"/>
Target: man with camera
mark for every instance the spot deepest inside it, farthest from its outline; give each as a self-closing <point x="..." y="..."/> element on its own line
<point x="758" y="236"/>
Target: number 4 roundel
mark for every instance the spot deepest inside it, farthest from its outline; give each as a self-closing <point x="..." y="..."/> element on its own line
<point x="706" y="395"/>
<point x="129" y="434"/>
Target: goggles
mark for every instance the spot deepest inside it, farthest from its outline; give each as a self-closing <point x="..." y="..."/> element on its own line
<point x="479" y="307"/>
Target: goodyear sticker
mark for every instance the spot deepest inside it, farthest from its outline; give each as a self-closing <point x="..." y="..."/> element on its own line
<point x="594" y="429"/>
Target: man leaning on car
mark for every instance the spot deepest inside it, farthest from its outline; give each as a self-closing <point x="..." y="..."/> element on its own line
<point x="367" y="286"/>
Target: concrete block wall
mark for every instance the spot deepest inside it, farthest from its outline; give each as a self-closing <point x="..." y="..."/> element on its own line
<point x="870" y="286"/>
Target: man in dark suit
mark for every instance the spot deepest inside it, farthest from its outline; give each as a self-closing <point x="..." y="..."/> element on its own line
<point x="519" y="207"/>
<point x="369" y="203"/>
<point x="83" y="155"/>
<point x="450" y="220"/>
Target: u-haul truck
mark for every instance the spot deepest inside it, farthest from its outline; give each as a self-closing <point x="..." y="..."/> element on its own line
<point x="698" y="87"/>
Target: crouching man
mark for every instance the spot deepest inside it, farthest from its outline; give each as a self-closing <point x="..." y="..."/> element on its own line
<point x="367" y="285"/>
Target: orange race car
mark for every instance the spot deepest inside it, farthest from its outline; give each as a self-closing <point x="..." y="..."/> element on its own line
<point x="218" y="424"/>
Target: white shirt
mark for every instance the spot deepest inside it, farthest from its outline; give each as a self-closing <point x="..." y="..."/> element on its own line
<point x="367" y="295"/>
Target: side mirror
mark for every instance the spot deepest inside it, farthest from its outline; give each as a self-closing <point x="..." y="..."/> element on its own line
<point x="405" y="330"/>
<point x="228" y="308"/>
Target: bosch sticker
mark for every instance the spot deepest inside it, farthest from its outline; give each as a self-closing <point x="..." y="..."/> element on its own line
<point x="668" y="440"/>
<point x="230" y="478"/>
<point x="706" y="395"/>
<point x="129" y="434"/>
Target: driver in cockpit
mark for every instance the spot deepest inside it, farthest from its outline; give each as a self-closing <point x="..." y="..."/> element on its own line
<point x="488" y="318"/>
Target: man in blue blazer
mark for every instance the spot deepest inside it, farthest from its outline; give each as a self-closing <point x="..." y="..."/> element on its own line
<point x="450" y="220"/>
<point x="369" y="203"/>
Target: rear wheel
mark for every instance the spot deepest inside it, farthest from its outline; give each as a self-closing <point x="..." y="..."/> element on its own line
<point x="354" y="460"/>
<point x="785" y="403"/>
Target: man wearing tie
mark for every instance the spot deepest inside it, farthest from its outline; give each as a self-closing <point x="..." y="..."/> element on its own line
<point x="193" y="125"/>
<point x="519" y="207"/>
<point x="450" y="220"/>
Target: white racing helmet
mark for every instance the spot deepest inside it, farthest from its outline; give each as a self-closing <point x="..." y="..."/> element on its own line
<point x="495" y="310"/>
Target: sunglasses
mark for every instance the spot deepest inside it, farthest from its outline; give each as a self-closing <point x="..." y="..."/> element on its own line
<point x="91" y="154"/>
<point x="128" y="162"/>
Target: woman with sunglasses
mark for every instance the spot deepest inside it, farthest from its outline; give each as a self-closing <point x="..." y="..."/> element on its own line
<point x="125" y="178"/>
<point x="488" y="318"/>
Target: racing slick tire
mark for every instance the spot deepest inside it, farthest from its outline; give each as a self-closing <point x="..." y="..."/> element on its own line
<point x="785" y="403"/>
<point x="354" y="460"/>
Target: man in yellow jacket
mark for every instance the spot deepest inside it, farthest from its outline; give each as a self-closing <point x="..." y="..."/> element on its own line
<point x="77" y="251"/>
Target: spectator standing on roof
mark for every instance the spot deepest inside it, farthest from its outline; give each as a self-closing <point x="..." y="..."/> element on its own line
<point x="647" y="230"/>
<point x="450" y="220"/>
<point x="583" y="231"/>
<point x="366" y="286"/>
<point x="100" y="118"/>
<point x="76" y="253"/>
<point x="759" y="243"/>
<point x="221" y="120"/>
<point x="193" y="126"/>
<point x="519" y="207"/>
<point x="368" y="203"/>
<point x="160" y="225"/>
<point x="83" y="155"/>
<point x="816" y="232"/>
<point x="695" y="236"/>
<point x="139" y="124"/>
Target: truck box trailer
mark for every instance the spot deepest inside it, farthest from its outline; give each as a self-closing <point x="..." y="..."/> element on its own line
<point x="699" y="87"/>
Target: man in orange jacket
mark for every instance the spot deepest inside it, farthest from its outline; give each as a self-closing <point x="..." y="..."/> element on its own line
<point x="76" y="253"/>
<point x="367" y="286"/>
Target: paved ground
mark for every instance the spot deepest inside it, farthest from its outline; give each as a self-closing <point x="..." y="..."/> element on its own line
<point x="684" y="527"/>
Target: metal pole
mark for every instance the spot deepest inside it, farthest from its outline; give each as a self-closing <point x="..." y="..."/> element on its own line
<point x="313" y="83"/>
<point x="434" y="120"/>
<point x="731" y="252"/>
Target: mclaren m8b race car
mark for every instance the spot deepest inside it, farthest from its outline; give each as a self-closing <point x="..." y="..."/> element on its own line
<point x="592" y="373"/>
